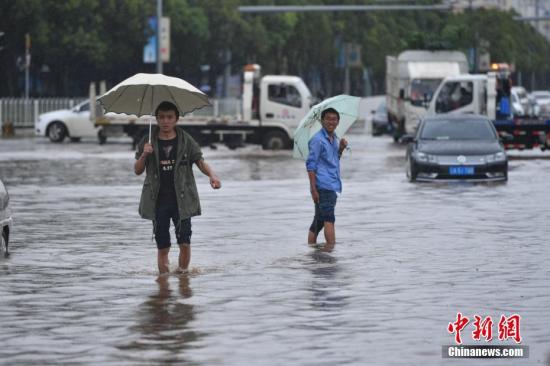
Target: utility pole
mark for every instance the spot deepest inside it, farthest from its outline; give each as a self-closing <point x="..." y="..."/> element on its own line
<point x="346" y="67"/>
<point x="159" y="20"/>
<point x="537" y="14"/>
<point x="27" y="64"/>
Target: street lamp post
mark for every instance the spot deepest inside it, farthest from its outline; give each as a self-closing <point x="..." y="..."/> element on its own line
<point x="159" y="20"/>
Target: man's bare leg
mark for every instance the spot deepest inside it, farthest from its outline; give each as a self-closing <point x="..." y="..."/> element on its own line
<point x="311" y="238"/>
<point x="162" y="260"/>
<point x="184" y="257"/>
<point x="330" y="234"/>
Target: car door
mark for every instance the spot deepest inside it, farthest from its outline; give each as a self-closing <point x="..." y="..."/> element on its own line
<point x="78" y="122"/>
<point x="456" y="97"/>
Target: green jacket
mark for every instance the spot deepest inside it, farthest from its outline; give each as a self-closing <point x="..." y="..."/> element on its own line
<point x="187" y="196"/>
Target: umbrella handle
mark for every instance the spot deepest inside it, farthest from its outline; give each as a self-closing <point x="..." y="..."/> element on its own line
<point x="150" y="124"/>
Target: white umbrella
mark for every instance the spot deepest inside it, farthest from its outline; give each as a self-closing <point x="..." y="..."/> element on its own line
<point x="346" y="105"/>
<point x="142" y="93"/>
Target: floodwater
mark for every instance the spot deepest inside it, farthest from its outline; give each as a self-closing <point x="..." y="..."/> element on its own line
<point x="80" y="286"/>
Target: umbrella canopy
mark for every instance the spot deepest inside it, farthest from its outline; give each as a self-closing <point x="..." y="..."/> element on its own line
<point x="346" y="105"/>
<point x="142" y="93"/>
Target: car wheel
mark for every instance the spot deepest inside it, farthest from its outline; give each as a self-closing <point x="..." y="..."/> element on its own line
<point x="57" y="132"/>
<point x="101" y="137"/>
<point x="375" y="131"/>
<point x="411" y="171"/>
<point x="75" y="139"/>
<point x="275" y="140"/>
<point x="4" y="244"/>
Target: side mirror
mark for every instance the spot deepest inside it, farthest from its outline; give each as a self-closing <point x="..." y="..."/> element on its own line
<point x="407" y="139"/>
<point x="373" y="112"/>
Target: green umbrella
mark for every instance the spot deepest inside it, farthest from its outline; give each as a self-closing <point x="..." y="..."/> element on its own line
<point x="346" y="105"/>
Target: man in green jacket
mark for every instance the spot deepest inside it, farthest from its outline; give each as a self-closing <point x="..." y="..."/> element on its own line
<point x="169" y="190"/>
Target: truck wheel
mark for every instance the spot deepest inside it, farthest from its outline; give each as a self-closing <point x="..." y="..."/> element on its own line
<point x="275" y="140"/>
<point x="57" y="132"/>
<point x="399" y="130"/>
<point x="4" y="244"/>
<point x="101" y="137"/>
<point x="411" y="171"/>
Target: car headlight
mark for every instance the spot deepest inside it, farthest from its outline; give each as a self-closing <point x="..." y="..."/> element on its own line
<point x="493" y="158"/>
<point x="420" y="156"/>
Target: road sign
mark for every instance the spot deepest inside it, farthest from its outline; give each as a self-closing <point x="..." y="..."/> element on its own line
<point x="150" y="49"/>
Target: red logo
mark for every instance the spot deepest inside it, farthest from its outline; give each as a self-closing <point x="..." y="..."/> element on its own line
<point x="508" y="327"/>
<point x="458" y="326"/>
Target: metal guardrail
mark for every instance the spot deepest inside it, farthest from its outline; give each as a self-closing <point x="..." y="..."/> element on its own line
<point x="23" y="112"/>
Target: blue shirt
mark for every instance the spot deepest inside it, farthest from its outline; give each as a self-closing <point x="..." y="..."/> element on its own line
<point x="324" y="161"/>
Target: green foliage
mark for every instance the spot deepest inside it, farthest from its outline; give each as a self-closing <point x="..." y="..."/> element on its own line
<point x="87" y="40"/>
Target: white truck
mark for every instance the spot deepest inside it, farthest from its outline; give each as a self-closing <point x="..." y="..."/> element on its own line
<point x="271" y="108"/>
<point x="490" y="95"/>
<point x="411" y="79"/>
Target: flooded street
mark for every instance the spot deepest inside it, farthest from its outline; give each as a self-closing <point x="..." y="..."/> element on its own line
<point x="80" y="286"/>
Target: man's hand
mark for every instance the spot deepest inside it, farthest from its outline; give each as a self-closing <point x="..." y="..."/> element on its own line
<point x="147" y="150"/>
<point x="343" y="145"/>
<point x="215" y="182"/>
<point x="315" y="195"/>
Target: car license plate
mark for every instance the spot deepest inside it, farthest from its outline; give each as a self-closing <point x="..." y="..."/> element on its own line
<point x="461" y="170"/>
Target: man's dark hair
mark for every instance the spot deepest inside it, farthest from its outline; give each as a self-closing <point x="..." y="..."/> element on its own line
<point x="330" y="110"/>
<point x="167" y="107"/>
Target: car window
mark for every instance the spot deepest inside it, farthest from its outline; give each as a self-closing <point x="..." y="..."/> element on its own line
<point x="284" y="94"/>
<point x="454" y="95"/>
<point x="457" y="130"/>
<point x="84" y="107"/>
<point x="381" y="108"/>
<point x="423" y="89"/>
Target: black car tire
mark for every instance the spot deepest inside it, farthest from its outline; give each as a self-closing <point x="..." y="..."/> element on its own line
<point x="57" y="132"/>
<point x="4" y="244"/>
<point x="275" y="140"/>
<point x="411" y="171"/>
<point x="101" y="137"/>
<point x="375" y="130"/>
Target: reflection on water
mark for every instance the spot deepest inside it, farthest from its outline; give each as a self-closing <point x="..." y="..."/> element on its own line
<point x="79" y="287"/>
<point x="163" y="321"/>
<point x="325" y="285"/>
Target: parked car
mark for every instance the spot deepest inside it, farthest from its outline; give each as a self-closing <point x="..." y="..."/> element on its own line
<point x="456" y="147"/>
<point x="380" y="122"/>
<point x="5" y="219"/>
<point x="542" y="98"/>
<point x="521" y="106"/>
<point x="73" y="123"/>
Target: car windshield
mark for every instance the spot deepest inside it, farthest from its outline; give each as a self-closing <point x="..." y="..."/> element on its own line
<point x="423" y="88"/>
<point x="457" y="130"/>
<point x="521" y="94"/>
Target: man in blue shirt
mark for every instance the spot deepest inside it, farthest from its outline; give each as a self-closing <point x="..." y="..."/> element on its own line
<point x="323" y="168"/>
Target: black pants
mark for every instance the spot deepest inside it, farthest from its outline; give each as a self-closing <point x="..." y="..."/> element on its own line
<point x="165" y="212"/>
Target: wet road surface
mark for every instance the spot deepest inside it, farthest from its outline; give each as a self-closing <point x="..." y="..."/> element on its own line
<point x="80" y="286"/>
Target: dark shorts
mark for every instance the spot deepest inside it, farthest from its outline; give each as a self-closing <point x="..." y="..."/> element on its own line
<point x="324" y="210"/>
<point x="165" y="212"/>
